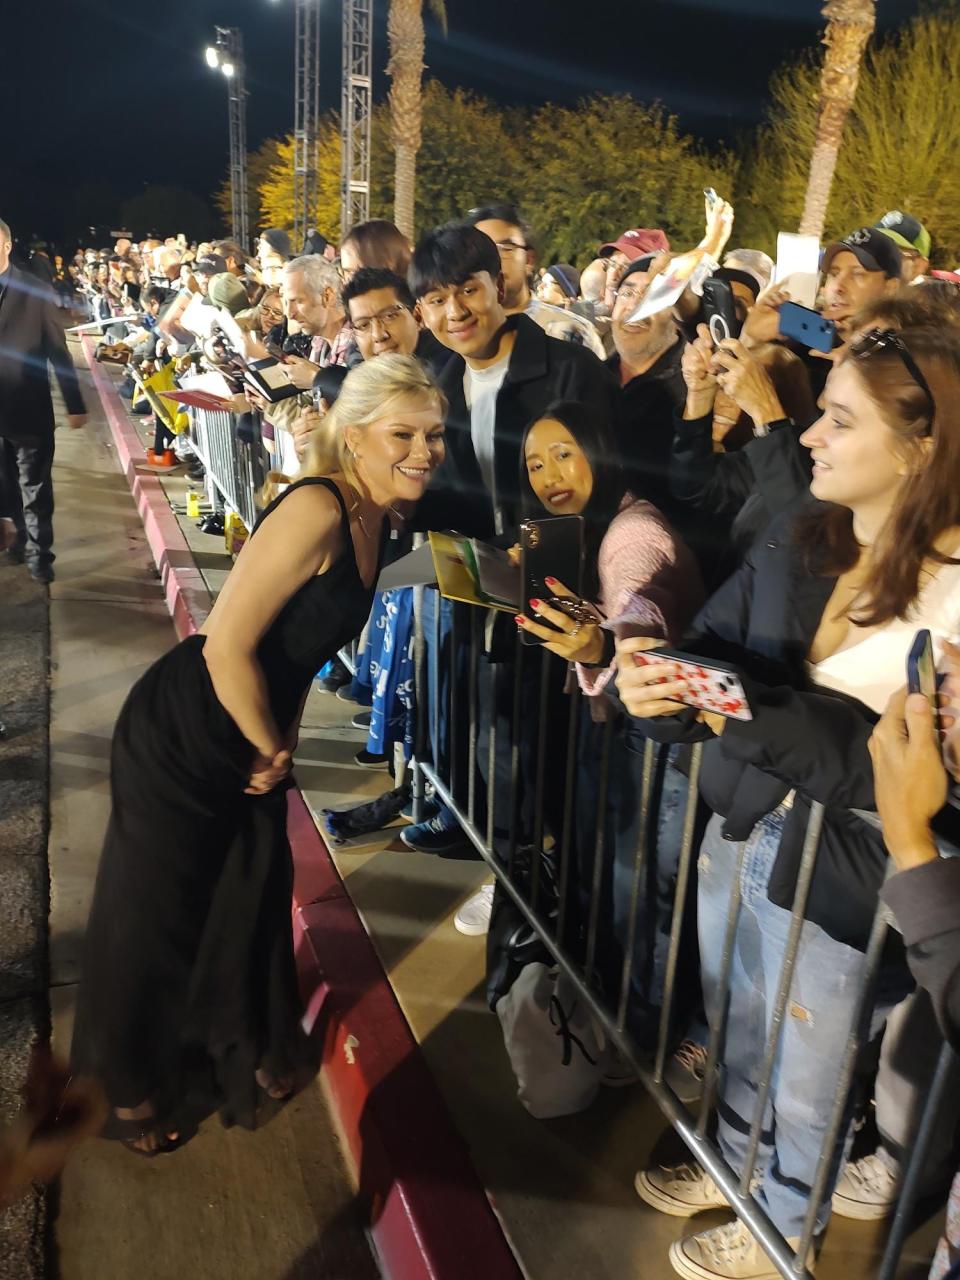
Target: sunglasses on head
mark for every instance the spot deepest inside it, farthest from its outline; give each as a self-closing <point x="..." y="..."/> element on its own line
<point x="890" y="340"/>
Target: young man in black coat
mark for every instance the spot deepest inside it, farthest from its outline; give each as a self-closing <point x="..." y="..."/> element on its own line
<point x="503" y="373"/>
<point x="31" y="339"/>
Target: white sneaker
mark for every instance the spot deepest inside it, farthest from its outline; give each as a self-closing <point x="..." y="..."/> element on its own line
<point x="726" y="1253"/>
<point x="868" y="1188"/>
<point x="473" y="918"/>
<point x="686" y="1071"/>
<point x="681" y="1191"/>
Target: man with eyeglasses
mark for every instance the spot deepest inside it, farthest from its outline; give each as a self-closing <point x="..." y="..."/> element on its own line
<point x="380" y="309"/>
<point x="518" y="260"/>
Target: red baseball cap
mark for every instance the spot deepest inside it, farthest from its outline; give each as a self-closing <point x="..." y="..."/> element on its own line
<point x="636" y="243"/>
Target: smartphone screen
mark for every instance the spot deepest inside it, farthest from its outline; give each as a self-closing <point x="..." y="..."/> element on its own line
<point x="921" y="668"/>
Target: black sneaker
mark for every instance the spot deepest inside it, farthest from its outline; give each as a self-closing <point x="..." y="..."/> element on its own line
<point x="338" y="677"/>
<point x="371" y="760"/>
<point x="361" y="720"/>
<point x="41" y="571"/>
<point x="213" y="523"/>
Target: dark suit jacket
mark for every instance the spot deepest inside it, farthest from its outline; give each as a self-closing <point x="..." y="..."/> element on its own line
<point x="31" y="339"/>
<point x="541" y="370"/>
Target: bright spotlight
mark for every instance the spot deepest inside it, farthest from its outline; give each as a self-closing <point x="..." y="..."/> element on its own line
<point x="212" y="57"/>
<point x="227" y="69"/>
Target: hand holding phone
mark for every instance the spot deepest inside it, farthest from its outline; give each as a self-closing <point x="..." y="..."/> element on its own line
<point x="713" y="687"/>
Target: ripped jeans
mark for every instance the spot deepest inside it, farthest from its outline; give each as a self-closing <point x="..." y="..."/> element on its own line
<point x="821" y="1006"/>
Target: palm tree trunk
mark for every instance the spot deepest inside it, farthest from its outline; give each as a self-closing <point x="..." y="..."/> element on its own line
<point x="405" y="68"/>
<point x="850" y="24"/>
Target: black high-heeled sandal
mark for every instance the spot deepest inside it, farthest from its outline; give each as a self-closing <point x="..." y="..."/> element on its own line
<point x="129" y="1132"/>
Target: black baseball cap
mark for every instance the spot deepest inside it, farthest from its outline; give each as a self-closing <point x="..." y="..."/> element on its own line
<point x="871" y="248"/>
<point x="211" y="264"/>
<point x="278" y="240"/>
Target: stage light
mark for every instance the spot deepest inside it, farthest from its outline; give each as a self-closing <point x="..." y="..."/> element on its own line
<point x="212" y="56"/>
<point x="227" y="69"/>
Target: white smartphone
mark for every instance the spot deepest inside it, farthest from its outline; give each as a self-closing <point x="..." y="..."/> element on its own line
<point x="712" y="685"/>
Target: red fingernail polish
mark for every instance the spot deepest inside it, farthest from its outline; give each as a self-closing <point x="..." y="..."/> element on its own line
<point x="551" y="582"/>
<point x="535" y="604"/>
<point x="519" y="619"/>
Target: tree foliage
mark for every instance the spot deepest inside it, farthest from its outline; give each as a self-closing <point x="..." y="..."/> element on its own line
<point x="899" y="149"/>
<point x="474" y="151"/>
<point x="610" y="163"/>
<point x="259" y="164"/>
<point x="582" y="174"/>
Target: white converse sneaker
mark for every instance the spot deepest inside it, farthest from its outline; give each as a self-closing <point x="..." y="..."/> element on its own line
<point x="473" y="918"/>
<point x="681" y="1191"/>
<point x="868" y="1188"/>
<point x="685" y="1071"/>
<point x="726" y="1253"/>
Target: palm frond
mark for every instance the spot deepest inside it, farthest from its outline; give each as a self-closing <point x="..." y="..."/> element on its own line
<point x="439" y="10"/>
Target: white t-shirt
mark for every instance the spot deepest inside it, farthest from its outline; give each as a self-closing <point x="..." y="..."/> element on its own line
<point x="480" y="390"/>
<point x="876" y="666"/>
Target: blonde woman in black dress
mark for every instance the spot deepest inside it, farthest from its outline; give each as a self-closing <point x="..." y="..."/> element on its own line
<point x="189" y="998"/>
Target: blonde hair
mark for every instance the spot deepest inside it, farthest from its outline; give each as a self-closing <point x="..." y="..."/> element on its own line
<point x="369" y="392"/>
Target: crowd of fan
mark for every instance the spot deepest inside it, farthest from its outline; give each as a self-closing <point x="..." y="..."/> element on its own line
<point x="795" y="513"/>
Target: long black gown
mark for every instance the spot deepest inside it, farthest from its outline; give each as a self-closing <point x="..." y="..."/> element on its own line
<point x="189" y="984"/>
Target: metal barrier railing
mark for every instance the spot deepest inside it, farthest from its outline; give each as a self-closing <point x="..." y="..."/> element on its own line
<point x="235" y="467"/>
<point x="237" y="470"/>
<point x="462" y="710"/>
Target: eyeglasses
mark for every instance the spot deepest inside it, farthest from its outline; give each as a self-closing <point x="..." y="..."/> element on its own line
<point x="629" y="294"/>
<point x="387" y="317"/>
<point x="510" y="246"/>
<point x="889" y="340"/>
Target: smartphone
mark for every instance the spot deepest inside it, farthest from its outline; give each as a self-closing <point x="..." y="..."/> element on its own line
<point x="549" y="548"/>
<point x="327" y="384"/>
<point x="711" y="196"/>
<point x="807" y="327"/>
<point x="720" y="310"/>
<point x="714" y="686"/>
<point x="922" y="673"/>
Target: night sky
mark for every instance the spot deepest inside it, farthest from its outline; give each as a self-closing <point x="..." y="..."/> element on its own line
<point x="99" y="98"/>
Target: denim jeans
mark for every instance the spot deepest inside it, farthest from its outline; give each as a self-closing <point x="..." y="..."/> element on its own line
<point x="820" y="1010"/>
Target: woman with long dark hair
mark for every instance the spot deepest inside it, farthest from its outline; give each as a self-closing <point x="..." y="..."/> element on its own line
<point x="189" y="998"/>
<point x="641" y="579"/>
<point x="820" y="620"/>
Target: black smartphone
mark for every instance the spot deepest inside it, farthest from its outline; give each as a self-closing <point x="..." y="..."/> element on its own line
<point x="720" y="310"/>
<point x="327" y="384"/>
<point x="922" y="673"/>
<point x="549" y="548"/>
<point x="807" y="327"/>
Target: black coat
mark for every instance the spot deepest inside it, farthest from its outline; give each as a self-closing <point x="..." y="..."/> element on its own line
<point x="31" y="339"/>
<point x="747" y="488"/>
<point x="541" y="370"/>
<point x="802" y="738"/>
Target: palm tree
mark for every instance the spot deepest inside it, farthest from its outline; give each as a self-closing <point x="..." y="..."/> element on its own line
<point x="850" y="24"/>
<point x="405" y="68"/>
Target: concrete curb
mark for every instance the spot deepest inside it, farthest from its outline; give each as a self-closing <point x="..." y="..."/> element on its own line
<point x="183" y="586"/>
<point x="430" y="1216"/>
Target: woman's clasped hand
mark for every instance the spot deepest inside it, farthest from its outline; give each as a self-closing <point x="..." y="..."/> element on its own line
<point x="267" y="771"/>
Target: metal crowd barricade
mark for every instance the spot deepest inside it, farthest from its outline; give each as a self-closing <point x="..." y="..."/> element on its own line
<point x="613" y="1015"/>
<point x="235" y="468"/>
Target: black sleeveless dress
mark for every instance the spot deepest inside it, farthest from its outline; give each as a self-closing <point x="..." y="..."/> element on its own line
<point x="189" y="984"/>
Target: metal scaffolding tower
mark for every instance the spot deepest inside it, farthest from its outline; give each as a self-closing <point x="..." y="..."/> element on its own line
<point x="357" y="90"/>
<point x="306" y="117"/>
<point x="228" y="58"/>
